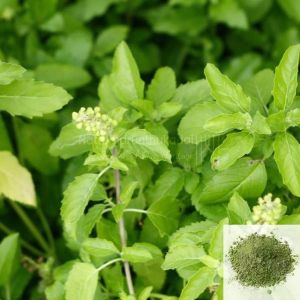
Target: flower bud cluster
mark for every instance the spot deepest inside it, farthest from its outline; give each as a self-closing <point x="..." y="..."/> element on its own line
<point x="99" y="124"/>
<point x="267" y="211"/>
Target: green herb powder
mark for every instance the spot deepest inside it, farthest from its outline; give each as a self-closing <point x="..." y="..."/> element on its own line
<point x="261" y="260"/>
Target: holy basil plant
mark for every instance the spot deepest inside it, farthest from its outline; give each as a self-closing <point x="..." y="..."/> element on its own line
<point x="142" y="186"/>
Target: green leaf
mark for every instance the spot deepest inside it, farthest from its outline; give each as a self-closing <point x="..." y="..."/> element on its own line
<point x="143" y="144"/>
<point x="177" y="20"/>
<point x="210" y="262"/>
<point x="20" y="282"/>
<point x="247" y="176"/>
<point x="198" y="283"/>
<point x="216" y="242"/>
<point x="71" y="142"/>
<point x="191" y="156"/>
<point x="229" y="96"/>
<point x="293" y="117"/>
<point x="191" y="182"/>
<point x="75" y="48"/>
<point x="162" y="87"/>
<point x="191" y="128"/>
<point x="144" y="106"/>
<point x="151" y="273"/>
<point x="230" y="13"/>
<point x="228" y="152"/>
<point x="87" y="221"/>
<point x="125" y="78"/>
<point x="76" y="198"/>
<point x="164" y="215"/>
<point x="168" y="185"/>
<point x="238" y="210"/>
<point x="15" y="181"/>
<point x="54" y="24"/>
<point x="81" y="282"/>
<point x="30" y="98"/>
<point x="86" y="10"/>
<point x="213" y="212"/>
<point x="113" y="278"/>
<point x="242" y="67"/>
<point x="291" y="219"/>
<point x="286" y="80"/>
<point x="278" y="121"/>
<point x="259" y="88"/>
<point x="291" y="8"/>
<point x="56" y="291"/>
<point x="191" y="93"/>
<point x="145" y="293"/>
<point x="108" y="100"/>
<point x="40" y="10"/>
<point x="64" y="75"/>
<point x="109" y="39"/>
<point x="196" y="233"/>
<point x="286" y="154"/>
<point x="226" y="122"/>
<point x="99" y="247"/>
<point x="159" y="130"/>
<point x="183" y="256"/>
<point x="137" y="253"/>
<point x="10" y="72"/>
<point x="167" y="110"/>
<point x="9" y="257"/>
<point x="116" y="164"/>
<point x="34" y="142"/>
<point x="260" y="124"/>
<point x="126" y="196"/>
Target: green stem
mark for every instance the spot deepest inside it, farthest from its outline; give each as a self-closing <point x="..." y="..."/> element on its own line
<point x="47" y="229"/>
<point x="30" y="225"/>
<point x="7" y="292"/>
<point x="103" y="171"/>
<point x="181" y="57"/>
<point x="136" y="210"/>
<point x="108" y="264"/>
<point x="123" y="234"/>
<point x="24" y="244"/>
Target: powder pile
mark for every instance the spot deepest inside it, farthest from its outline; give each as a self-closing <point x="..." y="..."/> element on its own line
<point x="261" y="260"/>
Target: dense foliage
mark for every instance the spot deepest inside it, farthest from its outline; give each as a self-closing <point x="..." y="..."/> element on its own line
<point x="126" y="197"/>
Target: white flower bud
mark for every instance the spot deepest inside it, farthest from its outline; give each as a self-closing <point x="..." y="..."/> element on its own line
<point x="104" y="117"/>
<point x="79" y="125"/>
<point x="101" y="125"/>
<point x="267" y="211"/>
<point x="74" y="115"/>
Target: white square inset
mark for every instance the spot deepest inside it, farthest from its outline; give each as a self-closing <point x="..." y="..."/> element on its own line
<point x="288" y="290"/>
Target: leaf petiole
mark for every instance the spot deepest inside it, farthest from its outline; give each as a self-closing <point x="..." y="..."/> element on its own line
<point x="111" y="262"/>
<point x="136" y="210"/>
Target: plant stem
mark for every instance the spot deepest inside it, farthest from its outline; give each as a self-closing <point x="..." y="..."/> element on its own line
<point x="123" y="237"/>
<point x="136" y="210"/>
<point x="30" y="225"/>
<point x="47" y="229"/>
<point x="7" y="292"/>
<point x="24" y="244"/>
<point x="108" y="264"/>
